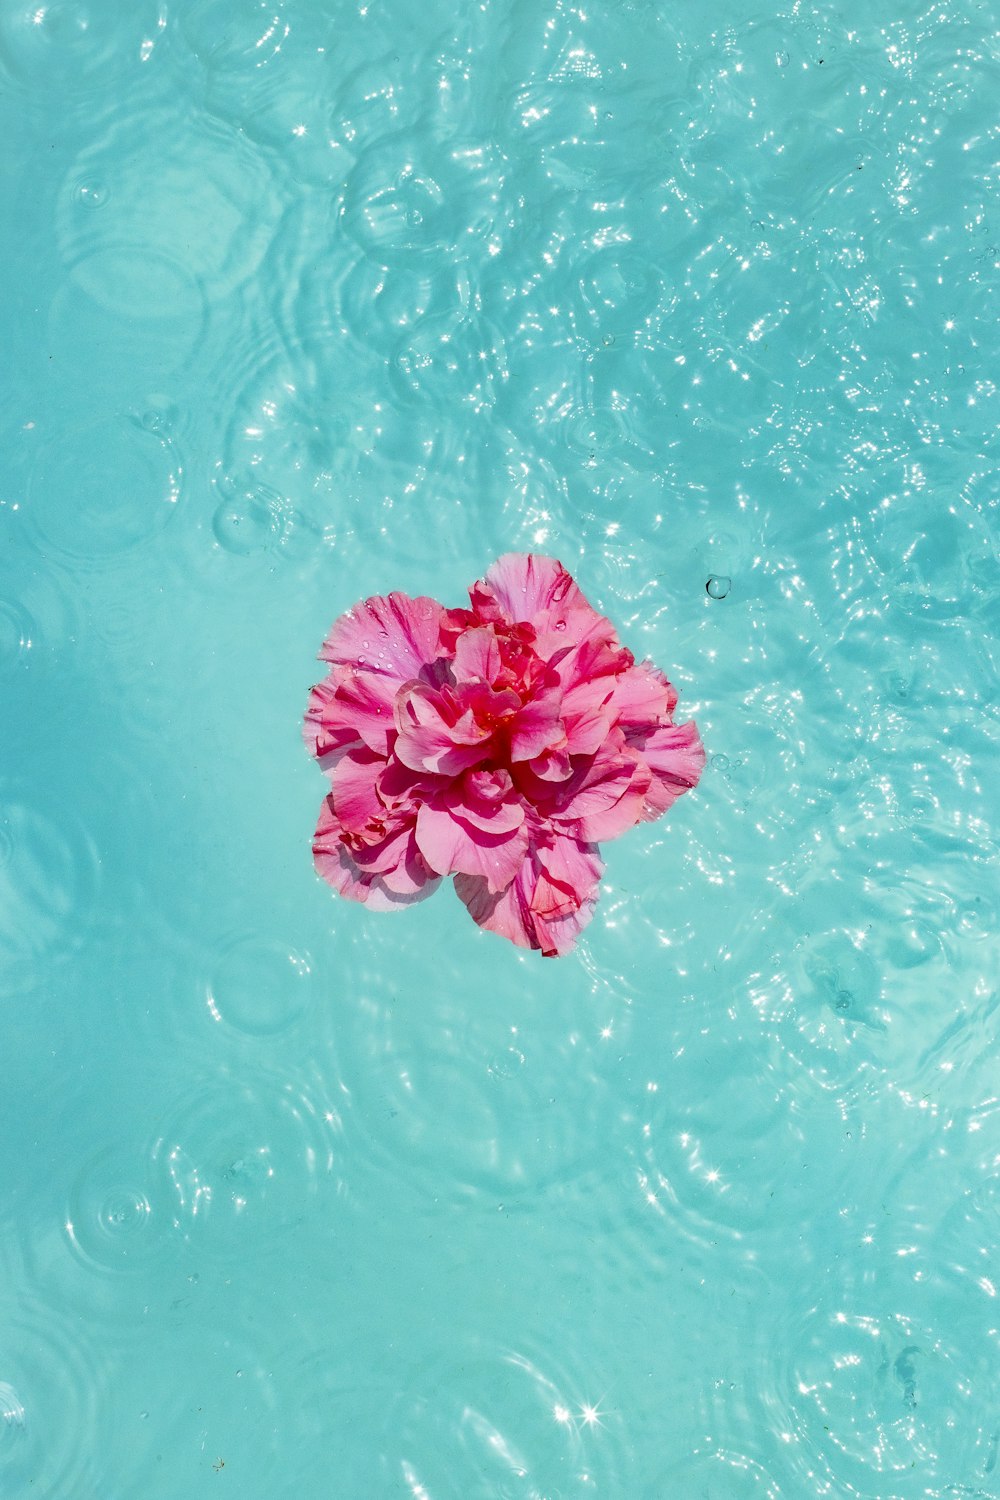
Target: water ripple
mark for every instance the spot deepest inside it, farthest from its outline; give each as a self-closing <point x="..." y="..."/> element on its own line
<point x="237" y="1158"/>
<point x="715" y="1470"/>
<point x="235" y="35"/>
<point x="405" y="205"/>
<point x="451" y="362"/>
<point x="474" y="1103"/>
<point x="39" y="619"/>
<point x="125" y="320"/>
<point x="311" y="302"/>
<point x="221" y="1419"/>
<point x="259" y="986"/>
<point x="52" y="1380"/>
<point x="109" y="1220"/>
<point x="508" y="1425"/>
<point x="167" y="178"/>
<point x="71" y="47"/>
<point x="49" y="874"/>
<point x="861" y="1393"/>
<point x="102" y="490"/>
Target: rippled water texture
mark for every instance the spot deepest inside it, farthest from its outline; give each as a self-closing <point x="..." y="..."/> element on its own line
<point x="305" y="301"/>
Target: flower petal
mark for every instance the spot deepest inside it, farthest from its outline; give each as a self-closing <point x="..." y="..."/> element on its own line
<point x="536" y="727"/>
<point x="676" y="757"/>
<point x="477" y="656"/>
<point x="393" y="635"/>
<point x="487" y="800"/>
<point x="601" y="799"/>
<point x="355" y="793"/>
<point x="324" y="729"/>
<point x="609" y="797"/>
<point x="362" y="707"/>
<point x="642" y="699"/>
<point x="498" y="744"/>
<point x="543" y="908"/>
<point x="374" y="648"/>
<point x="385" y="876"/>
<point x="522" y="585"/>
<point x="431" y="738"/>
<point x="450" y="845"/>
<point x="552" y="765"/>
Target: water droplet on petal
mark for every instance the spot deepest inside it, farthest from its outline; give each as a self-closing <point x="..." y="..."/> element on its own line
<point x="560" y="624"/>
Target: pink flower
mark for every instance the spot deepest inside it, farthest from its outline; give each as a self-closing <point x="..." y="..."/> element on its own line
<point x="499" y="744"/>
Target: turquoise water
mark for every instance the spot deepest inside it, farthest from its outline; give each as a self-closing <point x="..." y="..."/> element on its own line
<point x="306" y="302"/>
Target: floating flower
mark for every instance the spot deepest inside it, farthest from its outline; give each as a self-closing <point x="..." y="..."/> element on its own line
<point x="499" y="744"/>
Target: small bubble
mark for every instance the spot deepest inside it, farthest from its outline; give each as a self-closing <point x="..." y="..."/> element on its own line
<point x="718" y="587"/>
<point x="782" y="59"/>
<point x="721" y="762"/>
<point x="158" y="417"/>
<point x="92" y="194"/>
<point x="843" y="1000"/>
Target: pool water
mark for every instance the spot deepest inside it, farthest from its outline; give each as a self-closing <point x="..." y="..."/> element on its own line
<point x="304" y="302"/>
